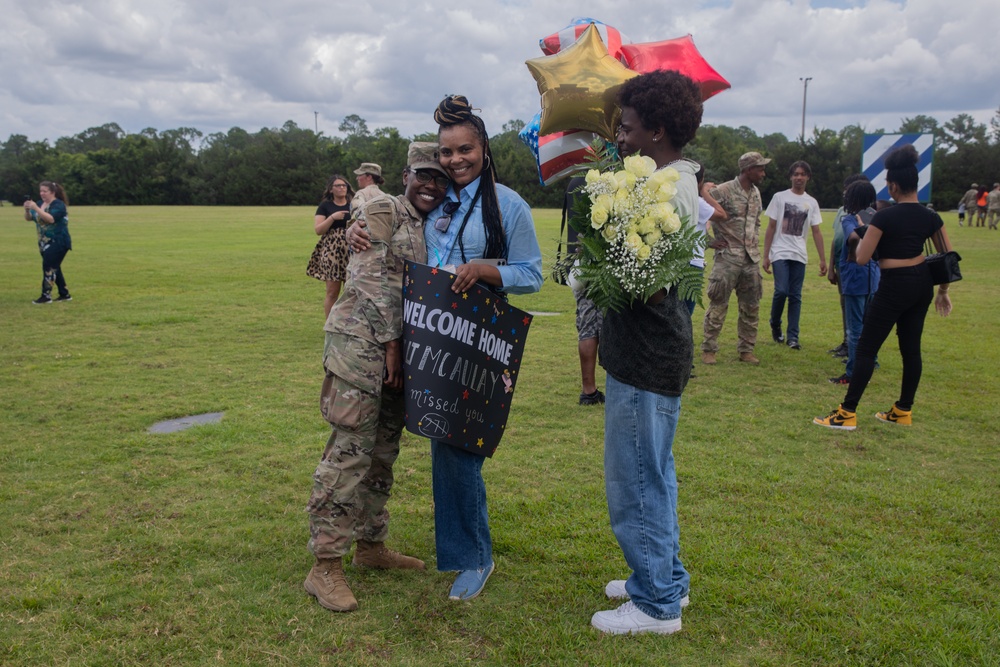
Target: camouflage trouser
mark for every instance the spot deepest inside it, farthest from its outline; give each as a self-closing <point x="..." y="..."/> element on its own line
<point x="743" y="275"/>
<point x="354" y="477"/>
<point x="992" y="216"/>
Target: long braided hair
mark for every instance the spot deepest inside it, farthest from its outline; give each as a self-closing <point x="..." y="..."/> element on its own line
<point x="456" y="110"/>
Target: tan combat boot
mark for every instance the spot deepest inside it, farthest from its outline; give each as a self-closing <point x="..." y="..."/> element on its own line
<point x="708" y="358"/>
<point x="327" y="584"/>
<point x="748" y="357"/>
<point x="374" y="554"/>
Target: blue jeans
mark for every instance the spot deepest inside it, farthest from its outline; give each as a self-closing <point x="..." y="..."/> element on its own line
<point x="854" y="315"/>
<point x="788" y="278"/>
<point x="641" y="486"/>
<point x="461" y="525"/>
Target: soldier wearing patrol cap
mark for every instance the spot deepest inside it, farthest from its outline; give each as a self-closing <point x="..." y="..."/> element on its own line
<point x="737" y="259"/>
<point x="362" y="396"/>
<point x="369" y="178"/>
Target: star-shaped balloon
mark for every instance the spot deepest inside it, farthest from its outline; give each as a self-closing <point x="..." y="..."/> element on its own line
<point x="579" y="87"/>
<point x="557" y="41"/>
<point x="559" y="154"/>
<point x="680" y="55"/>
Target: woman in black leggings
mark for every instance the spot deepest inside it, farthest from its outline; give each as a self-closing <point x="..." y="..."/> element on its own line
<point x="897" y="234"/>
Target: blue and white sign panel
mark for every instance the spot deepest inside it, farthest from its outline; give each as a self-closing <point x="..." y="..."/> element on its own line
<point x="873" y="156"/>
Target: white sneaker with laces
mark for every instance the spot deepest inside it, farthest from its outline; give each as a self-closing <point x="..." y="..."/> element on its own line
<point x="615" y="590"/>
<point x="630" y="620"/>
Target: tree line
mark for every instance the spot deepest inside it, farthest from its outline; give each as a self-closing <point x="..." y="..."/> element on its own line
<point x="289" y="165"/>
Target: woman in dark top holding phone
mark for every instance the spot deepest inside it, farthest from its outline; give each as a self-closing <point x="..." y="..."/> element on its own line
<point x="905" y="292"/>
<point x="329" y="259"/>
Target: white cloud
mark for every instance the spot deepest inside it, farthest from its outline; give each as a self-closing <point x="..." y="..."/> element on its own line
<point x="214" y="64"/>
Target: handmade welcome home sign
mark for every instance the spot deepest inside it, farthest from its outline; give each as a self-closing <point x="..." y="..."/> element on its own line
<point x="461" y="356"/>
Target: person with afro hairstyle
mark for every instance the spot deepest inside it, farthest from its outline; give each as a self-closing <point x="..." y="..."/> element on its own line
<point x="898" y="234"/>
<point x="647" y="349"/>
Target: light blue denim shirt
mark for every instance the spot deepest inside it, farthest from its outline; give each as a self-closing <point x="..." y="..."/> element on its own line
<point x="523" y="272"/>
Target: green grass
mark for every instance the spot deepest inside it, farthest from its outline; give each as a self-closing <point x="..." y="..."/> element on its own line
<point x="806" y="547"/>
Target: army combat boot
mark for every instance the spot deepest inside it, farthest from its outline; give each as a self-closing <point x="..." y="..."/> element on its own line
<point x="374" y="554"/>
<point x="327" y="584"/>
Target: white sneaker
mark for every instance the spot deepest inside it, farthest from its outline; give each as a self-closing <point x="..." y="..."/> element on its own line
<point x="615" y="590"/>
<point x="630" y="620"/>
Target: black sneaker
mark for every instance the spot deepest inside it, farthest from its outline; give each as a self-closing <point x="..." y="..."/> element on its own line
<point x="794" y="344"/>
<point x="843" y="379"/>
<point x="45" y="298"/>
<point x="64" y="298"/>
<point x="597" y="398"/>
<point x="840" y="351"/>
<point x="776" y="335"/>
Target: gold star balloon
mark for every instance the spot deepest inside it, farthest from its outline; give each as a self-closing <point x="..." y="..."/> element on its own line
<point x="579" y="87"/>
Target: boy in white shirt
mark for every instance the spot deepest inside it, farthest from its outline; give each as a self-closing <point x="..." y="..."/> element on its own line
<point x="790" y="214"/>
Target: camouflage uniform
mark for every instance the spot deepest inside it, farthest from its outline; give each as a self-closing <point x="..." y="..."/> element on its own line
<point x="736" y="266"/>
<point x="362" y="197"/>
<point x="993" y="203"/>
<point x="354" y="477"/>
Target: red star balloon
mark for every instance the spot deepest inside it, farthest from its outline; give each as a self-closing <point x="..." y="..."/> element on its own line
<point x="579" y="87"/>
<point x="680" y="55"/>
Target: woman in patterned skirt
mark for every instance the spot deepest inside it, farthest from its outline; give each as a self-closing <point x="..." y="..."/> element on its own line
<point x="329" y="259"/>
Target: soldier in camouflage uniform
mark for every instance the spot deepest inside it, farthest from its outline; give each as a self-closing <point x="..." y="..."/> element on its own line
<point x="362" y="396"/>
<point x="369" y="178"/>
<point x="993" y="203"/>
<point x="737" y="260"/>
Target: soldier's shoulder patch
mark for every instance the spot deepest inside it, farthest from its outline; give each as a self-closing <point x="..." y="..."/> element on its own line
<point x="379" y="205"/>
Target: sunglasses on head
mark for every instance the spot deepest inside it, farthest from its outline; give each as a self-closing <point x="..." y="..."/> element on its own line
<point x="426" y="177"/>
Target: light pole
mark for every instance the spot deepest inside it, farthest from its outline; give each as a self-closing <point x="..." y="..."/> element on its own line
<point x="316" y="119"/>
<point x="805" y="86"/>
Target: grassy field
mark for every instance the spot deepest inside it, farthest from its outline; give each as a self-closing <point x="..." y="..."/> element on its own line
<point x="806" y="547"/>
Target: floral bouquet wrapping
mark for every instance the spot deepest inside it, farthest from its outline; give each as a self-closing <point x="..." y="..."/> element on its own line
<point x="632" y="241"/>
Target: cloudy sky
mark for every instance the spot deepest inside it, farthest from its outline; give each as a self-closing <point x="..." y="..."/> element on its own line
<point x="66" y="65"/>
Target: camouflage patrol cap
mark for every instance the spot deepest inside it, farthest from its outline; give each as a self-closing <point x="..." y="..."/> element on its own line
<point x="975" y="185"/>
<point x="423" y="155"/>
<point x="752" y="159"/>
<point x="369" y="168"/>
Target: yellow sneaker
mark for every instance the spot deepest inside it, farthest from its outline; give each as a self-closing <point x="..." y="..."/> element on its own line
<point x="842" y="419"/>
<point x="896" y="416"/>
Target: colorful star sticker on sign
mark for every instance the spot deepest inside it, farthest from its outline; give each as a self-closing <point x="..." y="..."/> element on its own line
<point x="579" y="86"/>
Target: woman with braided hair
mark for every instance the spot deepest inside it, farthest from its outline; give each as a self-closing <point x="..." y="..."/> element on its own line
<point x="482" y="232"/>
<point x="479" y="220"/>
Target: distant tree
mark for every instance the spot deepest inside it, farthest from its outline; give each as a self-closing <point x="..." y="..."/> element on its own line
<point x="23" y="165"/>
<point x="353" y="126"/>
<point x="107" y="136"/>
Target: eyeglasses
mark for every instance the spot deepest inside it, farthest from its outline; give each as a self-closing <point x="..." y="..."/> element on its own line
<point x="340" y="185"/>
<point x="441" y="224"/>
<point x="426" y="177"/>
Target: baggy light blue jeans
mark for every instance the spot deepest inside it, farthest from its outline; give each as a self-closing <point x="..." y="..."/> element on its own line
<point x="461" y="524"/>
<point x="641" y="485"/>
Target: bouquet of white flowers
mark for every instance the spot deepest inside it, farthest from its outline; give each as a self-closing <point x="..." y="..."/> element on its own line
<point x="632" y="242"/>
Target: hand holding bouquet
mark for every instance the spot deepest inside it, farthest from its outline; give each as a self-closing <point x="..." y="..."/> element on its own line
<point x="632" y="241"/>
